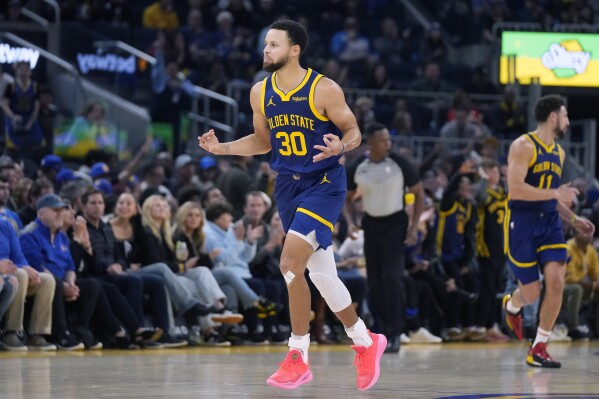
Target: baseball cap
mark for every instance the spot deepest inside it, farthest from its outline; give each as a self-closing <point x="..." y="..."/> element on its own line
<point x="183" y="160"/>
<point x="207" y="162"/>
<point x="103" y="185"/>
<point x="99" y="169"/>
<point x="51" y="161"/>
<point x="65" y="175"/>
<point x="50" y="201"/>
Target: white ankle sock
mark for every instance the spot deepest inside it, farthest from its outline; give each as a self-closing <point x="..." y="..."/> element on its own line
<point x="511" y="308"/>
<point x="359" y="334"/>
<point x="542" y="336"/>
<point x="300" y="343"/>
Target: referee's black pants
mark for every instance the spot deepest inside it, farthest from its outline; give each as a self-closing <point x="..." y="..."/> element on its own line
<point x="384" y="251"/>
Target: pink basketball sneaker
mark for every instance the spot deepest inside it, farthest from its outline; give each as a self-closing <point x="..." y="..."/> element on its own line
<point x="292" y="372"/>
<point x="368" y="361"/>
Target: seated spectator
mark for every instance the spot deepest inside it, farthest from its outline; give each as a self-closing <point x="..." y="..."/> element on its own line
<point x="434" y="47"/>
<point x="108" y="263"/>
<point x="349" y="45"/>
<point x="402" y="120"/>
<point x="333" y="70"/>
<point x="582" y="283"/>
<point x="190" y="223"/>
<point x="460" y="136"/>
<point x="238" y="248"/>
<point x="148" y="254"/>
<point x="6" y="213"/>
<point x="113" y="319"/>
<point x="46" y="247"/>
<point x="455" y="249"/>
<point x="389" y="44"/>
<point x="154" y="175"/>
<point x="40" y="187"/>
<point x="20" y="193"/>
<point x="185" y="174"/>
<point x="50" y="165"/>
<point x="508" y="118"/>
<point x="8" y="285"/>
<point x="364" y="111"/>
<point x="160" y="15"/>
<point x="480" y="83"/>
<point x="208" y="171"/>
<point x="30" y="284"/>
<point x="236" y="182"/>
<point x="431" y="80"/>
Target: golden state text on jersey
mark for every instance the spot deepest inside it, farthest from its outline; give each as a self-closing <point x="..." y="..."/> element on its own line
<point x="296" y="126"/>
<point x="544" y="171"/>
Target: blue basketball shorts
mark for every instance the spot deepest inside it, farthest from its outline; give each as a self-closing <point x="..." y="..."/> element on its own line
<point x="312" y="202"/>
<point x="533" y="238"/>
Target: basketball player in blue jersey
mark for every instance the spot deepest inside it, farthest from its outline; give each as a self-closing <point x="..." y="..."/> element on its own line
<point x="533" y="233"/>
<point x="303" y="118"/>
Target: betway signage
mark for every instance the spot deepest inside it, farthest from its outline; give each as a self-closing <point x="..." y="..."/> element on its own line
<point x="10" y="55"/>
<point x="105" y="63"/>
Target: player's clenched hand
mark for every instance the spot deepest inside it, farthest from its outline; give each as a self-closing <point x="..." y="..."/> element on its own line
<point x="566" y="193"/>
<point x="333" y="147"/>
<point x="209" y="142"/>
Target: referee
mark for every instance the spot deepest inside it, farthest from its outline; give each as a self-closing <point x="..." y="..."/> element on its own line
<point x="382" y="179"/>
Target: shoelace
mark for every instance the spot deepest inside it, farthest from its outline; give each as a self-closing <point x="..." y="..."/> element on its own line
<point x="545" y="354"/>
<point x="360" y="361"/>
<point x="287" y="365"/>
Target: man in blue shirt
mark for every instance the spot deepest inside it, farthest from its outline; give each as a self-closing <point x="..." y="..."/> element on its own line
<point x="30" y="283"/>
<point x="47" y="249"/>
<point x="8" y="282"/>
<point x="6" y="213"/>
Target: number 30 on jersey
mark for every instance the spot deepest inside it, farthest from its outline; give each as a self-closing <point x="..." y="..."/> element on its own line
<point x="292" y="143"/>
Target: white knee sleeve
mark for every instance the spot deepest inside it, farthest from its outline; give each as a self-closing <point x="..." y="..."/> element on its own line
<point x="323" y="273"/>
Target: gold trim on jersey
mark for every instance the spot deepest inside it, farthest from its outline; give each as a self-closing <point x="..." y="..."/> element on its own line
<point x="287" y="97"/>
<point x="317" y="217"/>
<point x="441" y="226"/>
<point x="506" y="242"/>
<point x="534" y="150"/>
<point x="311" y="100"/>
<point x="540" y="142"/>
<point x="551" y="246"/>
<point x="263" y="95"/>
<point x="562" y="155"/>
<point x="481" y="246"/>
<point x="499" y="194"/>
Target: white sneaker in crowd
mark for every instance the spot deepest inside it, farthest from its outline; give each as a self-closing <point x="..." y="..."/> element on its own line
<point x="560" y="334"/>
<point x="403" y="338"/>
<point x="495" y="334"/>
<point x="424" y="336"/>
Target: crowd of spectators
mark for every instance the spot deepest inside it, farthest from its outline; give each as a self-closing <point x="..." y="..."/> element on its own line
<point x="161" y="252"/>
<point x="169" y="249"/>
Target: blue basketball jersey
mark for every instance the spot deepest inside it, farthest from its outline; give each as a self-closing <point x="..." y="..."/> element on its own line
<point x="296" y="126"/>
<point x="451" y="226"/>
<point x="544" y="171"/>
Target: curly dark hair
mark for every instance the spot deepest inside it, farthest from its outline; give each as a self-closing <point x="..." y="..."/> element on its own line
<point x="548" y="104"/>
<point x="296" y="32"/>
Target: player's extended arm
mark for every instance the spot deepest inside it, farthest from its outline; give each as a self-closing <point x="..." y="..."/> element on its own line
<point x="329" y="97"/>
<point x="521" y="152"/>
<point x="252" y="144"/>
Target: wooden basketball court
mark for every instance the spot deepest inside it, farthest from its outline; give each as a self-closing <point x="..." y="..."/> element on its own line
<point x="486" y="370"/>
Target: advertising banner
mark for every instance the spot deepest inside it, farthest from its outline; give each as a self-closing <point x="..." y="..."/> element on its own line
<point x="556" y="59"/>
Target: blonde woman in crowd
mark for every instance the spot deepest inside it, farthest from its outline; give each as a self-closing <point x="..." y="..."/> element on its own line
<point x="190" y="226"/>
